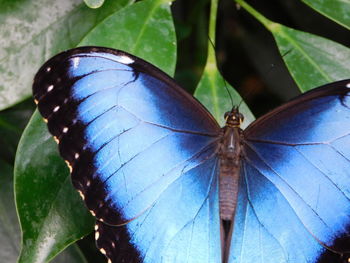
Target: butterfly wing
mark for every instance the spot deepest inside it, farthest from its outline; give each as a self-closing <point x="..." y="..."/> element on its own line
<point x="142" y="154"/>
<point x="295" y="182"/>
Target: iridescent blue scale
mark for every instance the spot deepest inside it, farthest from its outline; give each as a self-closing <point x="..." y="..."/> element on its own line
<point x="146" y="157"/>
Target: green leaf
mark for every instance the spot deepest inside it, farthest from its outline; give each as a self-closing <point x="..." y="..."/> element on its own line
<point x="337" y="10"/>
<point x="12" y="124"/>
<point x="10" y="233"/>
<point x="33" y="31"/>
<point x="52" y="214"/>
<point x="144" y="29"/>
<point x="94" y="3"/>
<point x="9" y="228"/>
<point x="312" y="60"/>
<point x="71" y="254"/>
<point x="212" y="91"/>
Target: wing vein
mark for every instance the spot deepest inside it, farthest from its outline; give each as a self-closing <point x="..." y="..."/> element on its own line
<point x="289" y="186"/>
<point x="174" y="168"/>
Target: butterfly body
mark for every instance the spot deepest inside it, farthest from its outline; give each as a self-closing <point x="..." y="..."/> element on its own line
<point x="229" y="154"/>
<point x="168" y="185"/>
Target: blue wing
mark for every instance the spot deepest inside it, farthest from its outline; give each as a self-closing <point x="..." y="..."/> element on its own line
<point x="295" y="182"/>
<point x="142" y="153"/>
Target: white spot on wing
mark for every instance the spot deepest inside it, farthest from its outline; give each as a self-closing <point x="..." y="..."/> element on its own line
<point x="348" y="86"/>
<point x="81" y="195"/>
<point x="49" y="88"/>
<point x="88" y="183"/>
<point x="65" y="129"/>
<point x="97" y="235"/>
<point x="76" y="155"/>
<point x="76" y="62"/>
<point x="48" y="69"/>
<point x="96" y="227"/>
<point x="103" y="251"/>
<point x="125" y="60"/>
<point x="56" y="108"/>
<point x="69" y="166"/>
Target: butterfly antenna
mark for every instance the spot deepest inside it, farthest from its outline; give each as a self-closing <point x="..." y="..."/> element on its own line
<point x="229" y="93"/>
<point x="224" y="81"/>
<point x="239" y="104"/>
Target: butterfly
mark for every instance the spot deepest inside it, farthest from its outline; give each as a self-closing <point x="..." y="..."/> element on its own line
<point x="167" y="184"/>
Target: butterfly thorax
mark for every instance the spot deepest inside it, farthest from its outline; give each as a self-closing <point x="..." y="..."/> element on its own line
<point x="230" y="150"/>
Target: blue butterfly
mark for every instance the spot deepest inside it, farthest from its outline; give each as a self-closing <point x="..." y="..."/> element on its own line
<point x="167" y="184"/>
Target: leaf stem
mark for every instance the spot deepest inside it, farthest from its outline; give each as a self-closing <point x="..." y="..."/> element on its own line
<point x="211" y="59"/>
<point x="271" y="26"/>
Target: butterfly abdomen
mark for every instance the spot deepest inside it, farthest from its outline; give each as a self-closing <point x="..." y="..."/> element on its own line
<point x="228" y="183"/>
<point x="228" y="192"/>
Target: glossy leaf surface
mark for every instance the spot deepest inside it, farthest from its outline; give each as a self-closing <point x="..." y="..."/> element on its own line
<point x="33" y="31"/>
<point x="71" y="254"/>
<point x="337" y="10"/>
<point x="9" y="228"/>
<point x="10" y="237"/>
<point x="51" y="213"/>
<point x="144" y="29"/>
<point x="311" y="60"/>
<point x="12" y="124"/>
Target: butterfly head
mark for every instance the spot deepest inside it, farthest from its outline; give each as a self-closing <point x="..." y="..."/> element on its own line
<point x="234" y="118"/>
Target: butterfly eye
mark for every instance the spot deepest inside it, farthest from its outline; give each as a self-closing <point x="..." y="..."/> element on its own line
<point x="227" y="114"/>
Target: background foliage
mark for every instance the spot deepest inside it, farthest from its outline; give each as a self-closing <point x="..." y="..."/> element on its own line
<point x="269" y="56"/>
